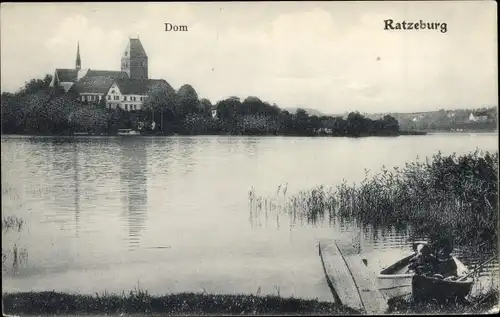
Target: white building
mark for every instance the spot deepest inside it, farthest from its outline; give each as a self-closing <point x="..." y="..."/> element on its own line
<point x="130" y="94"/>
<point x="477" y="118"/>
<point x="214" y="111"/>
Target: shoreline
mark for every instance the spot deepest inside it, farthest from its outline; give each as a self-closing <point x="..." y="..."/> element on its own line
<point x="139" y="302"/>
<point x="232" y="135"/>
<point x="402" y="134"/>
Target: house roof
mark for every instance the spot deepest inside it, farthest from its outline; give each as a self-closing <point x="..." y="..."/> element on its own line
<point x="137" y="86"/>
<point x="97" y="81"/>
<point x="67" y="75"/>
<point x="97" y="84"/>
<point x="67" y="86"/>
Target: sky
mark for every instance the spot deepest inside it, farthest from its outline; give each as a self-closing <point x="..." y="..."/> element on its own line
<point x="330" y="56"/>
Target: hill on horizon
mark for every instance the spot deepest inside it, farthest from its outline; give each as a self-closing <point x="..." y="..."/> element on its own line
<point x="310" y="111"/>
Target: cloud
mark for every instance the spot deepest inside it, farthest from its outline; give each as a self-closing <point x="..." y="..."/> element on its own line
<point x="99" y="49"/>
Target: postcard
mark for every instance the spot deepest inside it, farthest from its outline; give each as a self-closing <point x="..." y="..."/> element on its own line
<point x="249" y="158"/>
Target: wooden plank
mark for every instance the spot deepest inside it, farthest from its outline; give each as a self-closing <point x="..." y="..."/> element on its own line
<point x="372" y="299"/>
<point x="339" y="277"/>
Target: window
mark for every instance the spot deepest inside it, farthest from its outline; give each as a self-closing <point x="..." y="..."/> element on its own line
<point x="125" y="98"/>
<point x="135" y="107"/>
<point x="109" y="97"/>
<point x="126" y="107"/>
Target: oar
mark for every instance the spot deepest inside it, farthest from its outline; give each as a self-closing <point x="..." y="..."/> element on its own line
<point x="477" y="268"/>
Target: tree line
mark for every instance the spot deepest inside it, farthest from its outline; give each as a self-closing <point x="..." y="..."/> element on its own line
<point x="38" y="108"/>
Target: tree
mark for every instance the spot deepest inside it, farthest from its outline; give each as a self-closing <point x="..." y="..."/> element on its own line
<point x="37" y="85"/>
<point x="160" y="98"/>
<point x="187" y="101"/>
<point x="227" y="108"/>
<point x="206" y="107"/>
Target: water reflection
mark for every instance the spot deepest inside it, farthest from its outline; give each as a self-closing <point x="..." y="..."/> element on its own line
<point x="185" y="147"/>
<point x="133" y="181"/>
<point x="77" y="188"/>
<point x="251" y="148"/>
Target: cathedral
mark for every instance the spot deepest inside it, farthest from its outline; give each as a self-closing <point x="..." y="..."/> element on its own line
<point x="126" y="89"/>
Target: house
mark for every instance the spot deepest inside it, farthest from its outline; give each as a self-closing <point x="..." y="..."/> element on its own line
<point x="130" y="94"/>
<point x="214" y="111"/>
<point x="418" y="118"/>
<point x="478" y="117"/>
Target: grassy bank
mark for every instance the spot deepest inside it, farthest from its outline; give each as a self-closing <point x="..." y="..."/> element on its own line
<point x="455" y="196"/>
<point x="140" y="302"/>
<point x="475" y="305"/>
<point x="174" y="304"/>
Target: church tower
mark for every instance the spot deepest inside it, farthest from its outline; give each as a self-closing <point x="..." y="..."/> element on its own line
<point x="135" y="60"/>
<point x="78" y="64"/>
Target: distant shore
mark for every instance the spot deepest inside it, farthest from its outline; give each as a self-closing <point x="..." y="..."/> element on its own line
<point x="401" y="133"/>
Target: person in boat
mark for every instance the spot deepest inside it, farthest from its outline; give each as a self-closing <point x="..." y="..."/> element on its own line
<point x="446" y="264"/>
<point x="423" y="262"/>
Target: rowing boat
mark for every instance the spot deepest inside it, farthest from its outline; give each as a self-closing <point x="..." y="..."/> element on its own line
<point x="396" y="281"/>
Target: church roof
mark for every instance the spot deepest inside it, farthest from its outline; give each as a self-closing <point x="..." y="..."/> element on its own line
<point x="97" y="81"/>
<point x="67" y="75"/>
<point x="135" y="49"/>
<point x="137" y="86"/>
<point x="107" y="73"/>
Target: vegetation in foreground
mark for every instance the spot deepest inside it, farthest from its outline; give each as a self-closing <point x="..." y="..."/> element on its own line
<point x="139" y="301"/>
<point x="447" y="196"/>
<point x="474" y="305"/>
<point x="201" y="303"/>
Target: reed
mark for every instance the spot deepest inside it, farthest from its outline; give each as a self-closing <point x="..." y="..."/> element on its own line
<point x="12" y="223"/>
<point x="14" y="254"/>
<point x="456" y="196"/>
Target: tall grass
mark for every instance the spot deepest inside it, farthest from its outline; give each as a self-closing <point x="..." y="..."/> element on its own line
<point x="16" y="254"/>
<point x="140" y="301"/>
<point x="12" y="223"/>
<point x="456" y="196"/>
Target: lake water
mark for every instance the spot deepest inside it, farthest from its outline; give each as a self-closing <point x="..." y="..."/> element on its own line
<point x="171" y="214"/>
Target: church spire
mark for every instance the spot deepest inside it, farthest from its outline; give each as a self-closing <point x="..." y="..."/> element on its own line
<point x="78" y="60"/>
